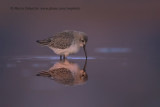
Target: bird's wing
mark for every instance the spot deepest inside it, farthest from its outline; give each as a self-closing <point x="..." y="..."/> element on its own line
<point x="44" y="74"/>
<point x="44" y="42"/>
<point x="61" y="40"/>
<point x="62" y="75"/>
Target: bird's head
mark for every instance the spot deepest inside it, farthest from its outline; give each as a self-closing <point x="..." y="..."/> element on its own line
<point x="83" y="39"/>
<point x="83" y="75"/>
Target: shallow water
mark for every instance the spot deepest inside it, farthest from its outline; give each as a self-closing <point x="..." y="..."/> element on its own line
<point x="123" y="54"/>
<point x="115" y="80"/>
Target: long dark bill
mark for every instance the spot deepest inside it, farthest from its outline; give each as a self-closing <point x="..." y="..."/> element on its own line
<point x="84" y="47"/>
<point x="85" y="65"/>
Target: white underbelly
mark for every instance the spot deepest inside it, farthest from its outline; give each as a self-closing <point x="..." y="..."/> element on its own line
<point x="71" y="50"/>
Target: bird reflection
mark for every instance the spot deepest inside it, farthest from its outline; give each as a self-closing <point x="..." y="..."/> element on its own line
<point x="67" y="73"/>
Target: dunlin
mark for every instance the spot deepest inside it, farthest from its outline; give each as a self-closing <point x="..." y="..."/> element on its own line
<point x="67" y="73"/>
<point x="66" y="42"/>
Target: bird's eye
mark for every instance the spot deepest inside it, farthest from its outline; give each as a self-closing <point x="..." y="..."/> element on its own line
<point x="82" y="40"/>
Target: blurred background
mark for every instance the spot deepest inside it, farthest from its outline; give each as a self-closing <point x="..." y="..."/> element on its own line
<point x="123" y="47"/>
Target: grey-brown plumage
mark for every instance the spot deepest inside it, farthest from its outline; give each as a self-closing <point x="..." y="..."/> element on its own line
<point x="66" y="42"/>
<point x="66" y="72"/>
<point x="62" y="75"/>
<point x="61" y="40"/>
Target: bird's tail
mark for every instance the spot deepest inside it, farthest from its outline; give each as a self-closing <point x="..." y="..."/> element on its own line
<point x="44" y="42"/>
<point x="44" y="74"/>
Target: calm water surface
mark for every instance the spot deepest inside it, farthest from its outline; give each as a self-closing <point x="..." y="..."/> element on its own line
<point x="114" y="80"/>
<point x="123" y="68"/>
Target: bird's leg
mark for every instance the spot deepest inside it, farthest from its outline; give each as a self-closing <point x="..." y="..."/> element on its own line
<point x="64" y="57"/>
<point x="60" y="57"/>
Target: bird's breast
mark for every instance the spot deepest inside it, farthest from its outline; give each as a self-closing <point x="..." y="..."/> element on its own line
<point x="73" y="49"/>
<point x="70" y="50"/>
